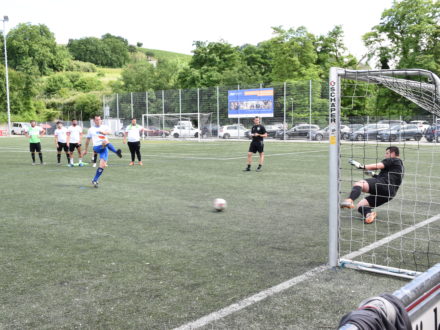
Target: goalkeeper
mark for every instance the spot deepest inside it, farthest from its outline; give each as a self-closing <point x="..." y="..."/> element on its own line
<point x="382" y="187"/>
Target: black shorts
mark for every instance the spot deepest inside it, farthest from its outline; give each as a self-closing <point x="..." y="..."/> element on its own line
<point x="73" y="146"/>
<point x="62" y="146"/>
<point x="35" y="147"/>
<point x="380" y="193"/>
<point x="256" y="146"/>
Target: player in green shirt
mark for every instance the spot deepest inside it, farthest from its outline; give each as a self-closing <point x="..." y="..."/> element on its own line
<point x="34" y="133"/>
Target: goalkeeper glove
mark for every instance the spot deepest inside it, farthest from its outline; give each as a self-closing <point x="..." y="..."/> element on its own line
<point x="370" y="173"/>
<point x="356" y="164"/>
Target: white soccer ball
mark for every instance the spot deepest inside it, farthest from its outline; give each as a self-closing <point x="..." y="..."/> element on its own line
<point x="219" y="204"/>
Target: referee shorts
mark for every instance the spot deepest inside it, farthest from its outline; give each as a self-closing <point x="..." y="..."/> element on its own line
<point x="256" y="146"/>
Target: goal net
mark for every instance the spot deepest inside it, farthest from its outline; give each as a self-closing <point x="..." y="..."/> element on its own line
<point x="404" y="238"/>
<point x="178" y="125"/>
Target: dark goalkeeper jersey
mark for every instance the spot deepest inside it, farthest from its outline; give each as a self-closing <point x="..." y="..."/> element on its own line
<point x="260" y="129"/>
<point x="392" y="174"/>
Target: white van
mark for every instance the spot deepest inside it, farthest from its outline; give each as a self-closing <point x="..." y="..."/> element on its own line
<point x="19" y="128"/>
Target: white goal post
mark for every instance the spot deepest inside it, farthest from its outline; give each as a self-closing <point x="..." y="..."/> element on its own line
<point x="405" y="240"/>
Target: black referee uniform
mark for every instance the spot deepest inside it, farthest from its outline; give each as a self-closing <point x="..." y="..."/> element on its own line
<point x="257" y="144"/>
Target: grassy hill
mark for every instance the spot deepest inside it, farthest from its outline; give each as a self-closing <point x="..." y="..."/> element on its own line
<point x="166" y="55"/>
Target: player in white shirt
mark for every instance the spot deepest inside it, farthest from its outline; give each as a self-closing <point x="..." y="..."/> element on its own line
<point x="60" y="136"/>
<point x="74" y="138"/>
<point x="132" y="134"/>
<point x="98" y="133"/>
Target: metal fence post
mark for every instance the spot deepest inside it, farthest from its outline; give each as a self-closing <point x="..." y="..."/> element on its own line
<point x="163" y="110"/>
<point x="238" y="121"/>
<point x="117" y="106"/>
<point x="198" y="114"/>
<point x="310" y="110"/>
<point x="131" y="104"/>
<point x="284" y="114"/>
<point x="218" y="113"/>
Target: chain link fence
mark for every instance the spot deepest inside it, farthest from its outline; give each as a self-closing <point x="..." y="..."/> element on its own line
<point x="299" y="110"/>
<point x="203" y="113"/>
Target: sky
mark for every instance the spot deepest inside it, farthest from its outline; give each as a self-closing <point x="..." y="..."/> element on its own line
<point x="174" y="25"/>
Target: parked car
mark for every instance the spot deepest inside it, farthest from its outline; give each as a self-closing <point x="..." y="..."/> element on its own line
<point x="324" y="133"/>
<point x="272" y="129"/>
<point x="433" y="133"/>
<point x="209" y="130"/>
<point x="120" y="132"/>
<point x="184" y="131"/>
<point x="368" y="132"/>
<point x="392" y="122"/>
<point x="19" y="128"/>
<point x="232" y="131"/>
<point x="421" y="124"/>
<point x="351" y="128"/>
<point x="155" y="131"/>
<point x="298" y="131"/>
<point x="400" y="132"/>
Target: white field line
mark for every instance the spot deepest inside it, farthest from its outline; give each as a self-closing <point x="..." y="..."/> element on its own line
<point x="252" y="299"/>
<point x="228" y="158"/>
<point x="390" y="238"/>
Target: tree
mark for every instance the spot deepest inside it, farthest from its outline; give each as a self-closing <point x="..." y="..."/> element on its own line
<point x="294" y="55"/>
<point x="110" y="51"/>
<point x="407" y="36"/>
<point x="213" y="64"/>
<point x="33" y="49"/>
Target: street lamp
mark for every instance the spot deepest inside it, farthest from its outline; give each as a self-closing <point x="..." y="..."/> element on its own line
<point x="6" y="19"/>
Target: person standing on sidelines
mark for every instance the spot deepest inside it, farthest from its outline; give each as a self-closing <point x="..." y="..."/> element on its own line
<point x="98" y="134"/>
<point x="74" y="138"/>
<point x="258" y="133"/>
<point x="60" y="136"/>
<point x="34" y="133"/>
<point x="132" y="134"/>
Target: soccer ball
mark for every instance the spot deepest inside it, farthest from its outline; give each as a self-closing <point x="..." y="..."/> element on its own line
<point x="219" y="204"/>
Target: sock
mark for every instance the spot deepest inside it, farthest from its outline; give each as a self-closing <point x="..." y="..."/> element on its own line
<point x="41" y="157"/>
<point x="58" y="158"/>
<point x="80" y="160"/>
<point x="33" y="157"/>
<point x="259" y="165"/>
<point x="68" y="158"/>
<point x="98" y="173"/>
<point x="364" y="210"/>
<point x="71" y="161"/>
<point x="355" y="192"/>
<point x="95" y="157"/>
<point x="111" y="147"/>
<point x="248" y="165"/>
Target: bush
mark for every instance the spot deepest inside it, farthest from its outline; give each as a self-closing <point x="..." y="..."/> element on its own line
<point x="55" y="83"/>
<point x="88" y="84"/>
<point x="81" y="66"/>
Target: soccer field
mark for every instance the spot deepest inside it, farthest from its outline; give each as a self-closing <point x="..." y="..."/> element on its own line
<point x="147" y="251"/>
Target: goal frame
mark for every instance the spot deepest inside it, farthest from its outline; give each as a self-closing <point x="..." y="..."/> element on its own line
<point x="336" y="74"/>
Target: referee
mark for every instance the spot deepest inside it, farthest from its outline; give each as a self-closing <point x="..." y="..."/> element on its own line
<point x="258" y="132"/>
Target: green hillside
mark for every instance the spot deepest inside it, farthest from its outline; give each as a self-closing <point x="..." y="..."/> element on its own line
<point x="166" y="55"/>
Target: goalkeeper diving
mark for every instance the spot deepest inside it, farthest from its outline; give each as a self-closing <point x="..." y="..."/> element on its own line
<point x="382" y="187"/>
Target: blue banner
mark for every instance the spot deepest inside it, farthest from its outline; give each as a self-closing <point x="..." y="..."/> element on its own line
<point x="247" y="103"/>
